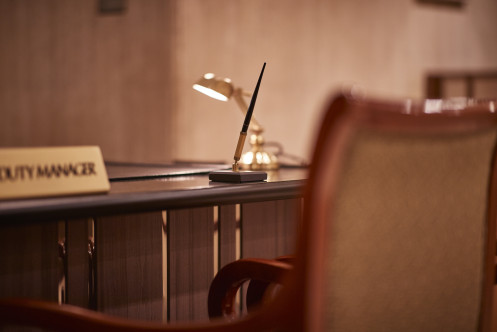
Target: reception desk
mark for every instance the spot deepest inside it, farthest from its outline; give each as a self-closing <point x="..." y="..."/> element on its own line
<point x="150" y="247"/>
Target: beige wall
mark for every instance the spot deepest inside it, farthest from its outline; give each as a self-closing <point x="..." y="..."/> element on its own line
<point x="71" y="76"/>
<point x="314" y="47"/>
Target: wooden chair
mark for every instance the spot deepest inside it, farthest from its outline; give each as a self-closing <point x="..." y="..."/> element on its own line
<point x="398" y="232"/>
<point x="472" y="84"/>
<point x="399" y="222"/>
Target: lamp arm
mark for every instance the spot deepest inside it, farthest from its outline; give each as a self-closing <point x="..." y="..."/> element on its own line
<point x="246" y="93"/>
<point x="238" y="95"/>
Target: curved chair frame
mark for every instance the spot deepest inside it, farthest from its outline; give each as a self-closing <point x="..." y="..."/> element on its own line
<point x="429" y="117"/>
<point x="344" y="115"/>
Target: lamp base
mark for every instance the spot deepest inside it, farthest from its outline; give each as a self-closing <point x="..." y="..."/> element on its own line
<point x="258" y="159"/>
<point x="237" y="177"/>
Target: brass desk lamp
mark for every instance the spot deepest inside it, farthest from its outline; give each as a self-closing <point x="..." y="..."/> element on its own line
<point x="223" y="89"/>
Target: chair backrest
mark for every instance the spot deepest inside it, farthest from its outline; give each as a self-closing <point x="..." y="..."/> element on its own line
<point x="472" y="84"/>
<point x="399" y="232"/>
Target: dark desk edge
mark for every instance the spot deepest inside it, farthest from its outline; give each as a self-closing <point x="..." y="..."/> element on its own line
<point x="76" y="207"/>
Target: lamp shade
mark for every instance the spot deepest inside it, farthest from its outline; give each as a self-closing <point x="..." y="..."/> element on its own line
<point x="217" y="88"/>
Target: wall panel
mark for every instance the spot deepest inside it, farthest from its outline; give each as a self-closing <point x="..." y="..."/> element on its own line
<point x="72" y="76"/>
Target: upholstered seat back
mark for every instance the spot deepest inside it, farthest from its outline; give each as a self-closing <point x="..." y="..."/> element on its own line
<point x="406" y="226"/>
<point x="407" y="236"/>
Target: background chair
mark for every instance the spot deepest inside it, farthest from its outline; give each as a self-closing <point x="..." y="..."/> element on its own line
<point x="398" y="231"/>
<point x="472" y="84"/>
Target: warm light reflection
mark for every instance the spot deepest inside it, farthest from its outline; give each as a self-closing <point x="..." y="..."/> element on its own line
<point x="260" y="158"/>
<point x="407" y="107"/>
<point x="433" y="106"/>
<point x="248" y="157"/>
<point x="209" y="92"/>
<point x="454" y="104"/>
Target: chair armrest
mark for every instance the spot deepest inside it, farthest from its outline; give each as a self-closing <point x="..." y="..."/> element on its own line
<point x="56" y="317"/>
<point x="20" y="312"/>
<point x="257" y="290"/>
<point x="222" y="293"/>
<point x="223" y="289"/>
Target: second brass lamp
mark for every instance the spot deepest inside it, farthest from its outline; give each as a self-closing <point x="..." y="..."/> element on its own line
<point x="223" y="89"/>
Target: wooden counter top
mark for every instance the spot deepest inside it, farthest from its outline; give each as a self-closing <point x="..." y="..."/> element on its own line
<point x="158" y="193"/>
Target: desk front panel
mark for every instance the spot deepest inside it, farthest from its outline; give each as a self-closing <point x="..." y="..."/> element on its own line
<point x="154" y="264"/>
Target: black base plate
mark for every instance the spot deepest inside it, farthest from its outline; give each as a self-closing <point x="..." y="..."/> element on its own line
<point x="237" y="177"/>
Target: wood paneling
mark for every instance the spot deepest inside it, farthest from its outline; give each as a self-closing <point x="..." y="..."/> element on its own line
<point x="268" y="228"/>
<point x="72" y="76"/>
<point x="78" y="271"/>
<point x="129" y="265"/>
<point x="227" y="234"/>
<point x="143" y="269"/>
<point x="190" y="239"/>
<point x="30" y="265"/>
